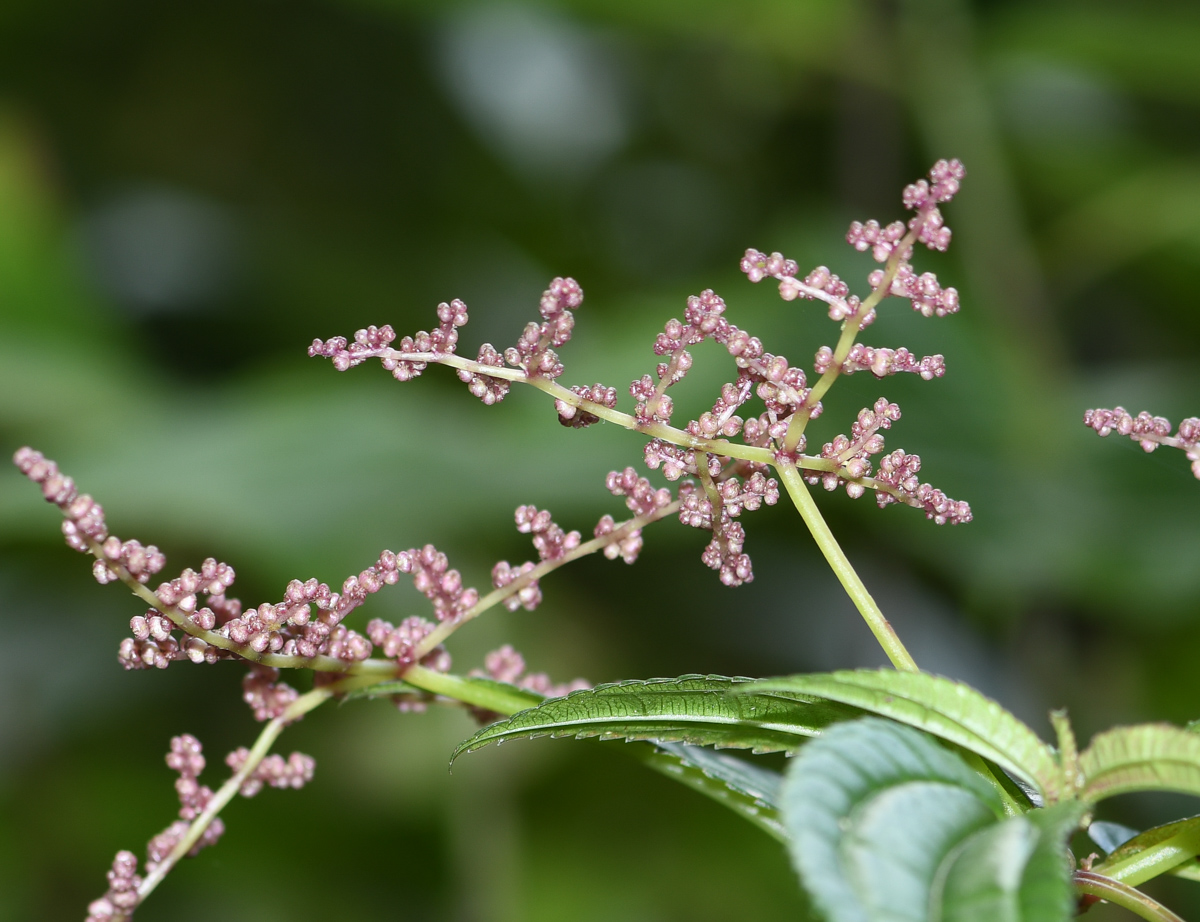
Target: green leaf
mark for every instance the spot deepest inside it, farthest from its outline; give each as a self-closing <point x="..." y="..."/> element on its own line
<point x="947" y="709"/>
<point x="1146" y="757"/>
<point x="1014" y="870"/>
<point x="383" y="690"/>
<point x="748" y="790"/>
<point x="888" y="825"/>
<point x="689" y="709"/>
<point x="1169" y="848"/>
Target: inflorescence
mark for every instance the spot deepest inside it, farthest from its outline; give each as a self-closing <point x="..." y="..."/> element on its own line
<point x="718" y="462"/>
<point x="1149" y="431"/>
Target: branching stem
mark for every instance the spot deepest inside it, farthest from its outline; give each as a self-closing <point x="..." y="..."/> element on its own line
<point x="884" y="633"/>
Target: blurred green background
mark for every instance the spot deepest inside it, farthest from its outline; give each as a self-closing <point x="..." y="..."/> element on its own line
<point x="190" y="192"/>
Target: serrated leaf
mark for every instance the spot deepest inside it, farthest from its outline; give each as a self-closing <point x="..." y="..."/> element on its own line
<point x="690" y="709"/>
<point x="1146" y="757"/>
<point x="746" y="789"/>
<point x="1168" y="848"/>
<point x="945" y="708"/>
<point x="888" y="825"/>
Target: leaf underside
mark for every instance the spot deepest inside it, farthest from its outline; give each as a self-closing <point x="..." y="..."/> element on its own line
<point x="945" y="708"/>
<point x="888" y="825"/>
<point x="748" y="790"/>
<point x="1146" y="757"/>
<point x="691" y="709"/>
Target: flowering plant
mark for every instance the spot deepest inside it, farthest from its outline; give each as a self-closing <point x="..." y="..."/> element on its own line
<point x="909" y="794"/>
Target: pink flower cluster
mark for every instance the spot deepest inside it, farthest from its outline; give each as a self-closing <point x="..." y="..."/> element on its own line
<point x="895" y="240"/>
<point x="293" y="772"/>
<point x="899" y="471"/>
<point x="375" y="342"/>
<point x="400" y="642"/>
<point x="577" y="418"/>
<point x="533" y="351"/>
<point x="83" y="521"/>
<point x="882" y="362"/>
<point x="1149" y="431"/>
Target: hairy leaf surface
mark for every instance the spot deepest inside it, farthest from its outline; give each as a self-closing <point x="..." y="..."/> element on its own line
<point x="943" y="707"/>
<point x="1146" y="757"/>
<point x="690" y="709"/>
<point x="886" y="824"/>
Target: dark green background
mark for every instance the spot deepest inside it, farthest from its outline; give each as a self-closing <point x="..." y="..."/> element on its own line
<point x="190" y="192"/>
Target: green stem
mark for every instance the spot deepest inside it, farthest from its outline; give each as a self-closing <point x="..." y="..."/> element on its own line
<point x="1093" y="884"/>
<point x="1158" y="859"/>
<point x="851" y="327"/>
<point x="226" y="793"/>
<point x="439" y="634"/>
<point x="840" y="564"/>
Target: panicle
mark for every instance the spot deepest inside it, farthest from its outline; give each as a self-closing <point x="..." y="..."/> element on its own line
<point x="549" y="539"/>
<point x="186" y="757"/>
<point x="1149" y="431"/>
<point x="626" y="544"/>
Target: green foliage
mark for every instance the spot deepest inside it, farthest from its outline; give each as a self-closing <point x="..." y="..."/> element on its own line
<point x="887" y="824"/>
<point x="947" y="709"/>
<point x="747" y="789"/>
<point x="690" y="709"/>
<point x="1170" y="847"/>
<point x="1147" y="757"/>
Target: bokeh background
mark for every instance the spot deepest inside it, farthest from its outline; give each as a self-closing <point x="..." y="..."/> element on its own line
<point x="190" y="192"/>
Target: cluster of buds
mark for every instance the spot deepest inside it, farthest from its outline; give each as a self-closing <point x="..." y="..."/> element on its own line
<point x="854" y="453"/>
<point x="882" y="362"/>
<point x="715" y="509"/>
<point x="186" y="757"/>
<point x="400" y="642"/>
<point x="83" y="522"/>
<point x="533" y="352"/>
<point x="703" y="319"/>
<point x="487" y="388"/>
<point x="1149" y="431"/>
<point x="376" y="342"/>
<point x="293" y="772"/>
<point x="899" y="472"/>
<point x="577" y="418"/>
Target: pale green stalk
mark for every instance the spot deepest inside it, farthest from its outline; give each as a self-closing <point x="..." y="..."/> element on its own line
<point x="1123" y="895"/>
<point x="838" y="562"/>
